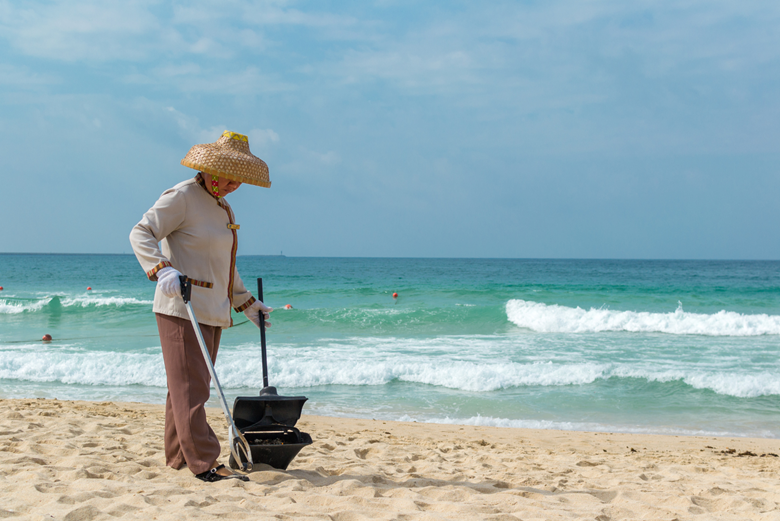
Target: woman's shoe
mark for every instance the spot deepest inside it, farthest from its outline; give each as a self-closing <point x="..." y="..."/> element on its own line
<point x="211" y="476"/>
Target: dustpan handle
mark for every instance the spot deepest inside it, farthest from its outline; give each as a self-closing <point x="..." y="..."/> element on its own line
<point x="262" y="333"/>
<point x="238" y="442"/>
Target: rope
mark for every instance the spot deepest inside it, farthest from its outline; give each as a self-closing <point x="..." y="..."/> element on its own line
<point x="85" y="337"/>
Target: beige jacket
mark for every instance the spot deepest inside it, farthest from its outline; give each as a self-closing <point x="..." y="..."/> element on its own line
<point x="198" y="236"/>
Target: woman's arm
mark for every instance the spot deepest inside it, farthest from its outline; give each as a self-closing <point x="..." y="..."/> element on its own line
<point x="251" y="307"/>
<point x="242" y="298"/>
<point x="161" y="220"/>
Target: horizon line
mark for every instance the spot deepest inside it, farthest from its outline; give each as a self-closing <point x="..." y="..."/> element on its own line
<point x="433" y="258"/>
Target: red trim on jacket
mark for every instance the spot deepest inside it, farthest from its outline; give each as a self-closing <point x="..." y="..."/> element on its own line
<point x="152" y="273"/>
<point x="234" y="249"/>
<point x="243" y="307"/>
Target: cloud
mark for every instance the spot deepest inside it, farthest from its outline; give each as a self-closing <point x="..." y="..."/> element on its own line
<point x="263" y="137"/>
<point x="248" y="81"/>
<point x="412" y="66"/>
<point x="143" y="30"/>
<point x="329" y="158"/>
<point x="87" y="30"/>
<point x="176" y="70"/>
<point x="94" y="31"/>
<point x="263" y="12"/>
<point x="303" y="164"/>
<point x="191" y="129"/>
<point x="552" y="71"/>
<point x="505" y="42"/>
<point x="15" y="76"/>
<point x="193" y="78"/>
<point x="510" y="109"/>
<point x="211" y="134"/>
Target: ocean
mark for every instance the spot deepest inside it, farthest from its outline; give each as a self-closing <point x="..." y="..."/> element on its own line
<point x="666" y="347"/>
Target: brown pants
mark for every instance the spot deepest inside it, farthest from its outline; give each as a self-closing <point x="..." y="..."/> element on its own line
<point x="188" y="437"/>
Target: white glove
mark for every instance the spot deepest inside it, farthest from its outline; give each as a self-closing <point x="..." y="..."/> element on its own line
<point x="253" y="313"/>
<point x="168" y="282"/>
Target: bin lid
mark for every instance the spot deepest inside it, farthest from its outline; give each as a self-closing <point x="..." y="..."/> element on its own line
<point x="268" y="409"/>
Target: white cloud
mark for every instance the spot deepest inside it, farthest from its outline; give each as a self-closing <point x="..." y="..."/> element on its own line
<point x="89" y="30"/>
<point x="210" y="134"/>
<point x="139" y="30"/>
<point x="628" y="69"/>
<point x="262" y="137"/>
<point x="178" y="69"/>
<point x="194" y="78"/>
<point x="314" y="158"/>
<point x="204" y="46"/>
<point x="248" y="81"/>
<point x="412" y="66"/>
<point x="251" y="40"/>
<point x="271" y="15"/>
<point x="328" y="158"/>
<point x="307" y="164"/>
<point x="192" y="130"/>
<point x="12" y="75"/>
<point x="263" y="12"/>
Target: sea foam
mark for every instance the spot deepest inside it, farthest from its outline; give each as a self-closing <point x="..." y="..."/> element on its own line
<point x="31" y="305"/>
<point x="98" y="301"/>
<point x="467" y="376"/>
<point x="237" y="369"/>
<point x="489" y="421"/>
<point x="82" y="368"/>
<point x="552" y="318"/>
<point x="14" y="306"/>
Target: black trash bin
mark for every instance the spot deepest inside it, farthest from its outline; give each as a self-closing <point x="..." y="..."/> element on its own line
<point x="268" y="424"/>
<point x="268" y="421"/>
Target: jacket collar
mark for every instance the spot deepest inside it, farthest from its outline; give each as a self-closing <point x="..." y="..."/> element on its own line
<point x="202" y="183"/>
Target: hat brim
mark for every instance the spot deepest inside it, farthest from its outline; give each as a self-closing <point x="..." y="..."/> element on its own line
<point x="228" y="175"/>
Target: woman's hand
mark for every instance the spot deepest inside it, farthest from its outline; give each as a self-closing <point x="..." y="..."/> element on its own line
<point x="168" y="282"/>
<point x="253" y="313"/>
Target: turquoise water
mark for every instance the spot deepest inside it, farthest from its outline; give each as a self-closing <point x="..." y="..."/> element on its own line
<point x="683" y="347"/>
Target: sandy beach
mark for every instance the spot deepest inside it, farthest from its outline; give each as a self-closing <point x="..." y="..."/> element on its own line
<point x="84" y="461"/>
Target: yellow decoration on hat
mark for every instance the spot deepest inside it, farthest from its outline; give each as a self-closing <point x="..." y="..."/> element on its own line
<point x="236" y="136"/>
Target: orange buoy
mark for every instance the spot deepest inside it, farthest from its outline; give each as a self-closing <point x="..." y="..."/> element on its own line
<point x="1" y="288"/>
<point x="288" y="306"/>
<point x="89" y="288"/>
<point x="395" y="295"/>
<point x="46" y="337"/>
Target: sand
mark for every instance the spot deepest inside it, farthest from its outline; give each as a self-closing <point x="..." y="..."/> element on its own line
<point x="83" y="461"/>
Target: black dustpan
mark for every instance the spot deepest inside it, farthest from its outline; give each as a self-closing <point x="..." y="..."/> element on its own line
<point x="268" y="421"/>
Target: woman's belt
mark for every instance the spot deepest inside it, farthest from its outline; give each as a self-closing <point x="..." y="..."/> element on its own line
<point x="200" y="283"/>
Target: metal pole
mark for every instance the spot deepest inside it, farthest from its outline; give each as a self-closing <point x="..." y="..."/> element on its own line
<point x="262" y="333"/>
<point x="238" y="442"/>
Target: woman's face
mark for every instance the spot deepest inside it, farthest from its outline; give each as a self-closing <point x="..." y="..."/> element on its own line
<point x="227" y="186"/>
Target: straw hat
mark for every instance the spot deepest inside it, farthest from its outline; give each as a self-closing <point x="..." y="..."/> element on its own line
<point x="229" y="157"/>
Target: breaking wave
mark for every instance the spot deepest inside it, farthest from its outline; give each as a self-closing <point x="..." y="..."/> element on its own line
<point x="237" y="369"/>
<point x="552" y="318"/>
<point x="52" y="303"/>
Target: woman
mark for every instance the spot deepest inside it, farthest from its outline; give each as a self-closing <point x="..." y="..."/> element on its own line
<point x="197" y="235"/>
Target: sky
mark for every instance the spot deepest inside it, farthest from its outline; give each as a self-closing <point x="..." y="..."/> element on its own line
<point x="531" y="129"/>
